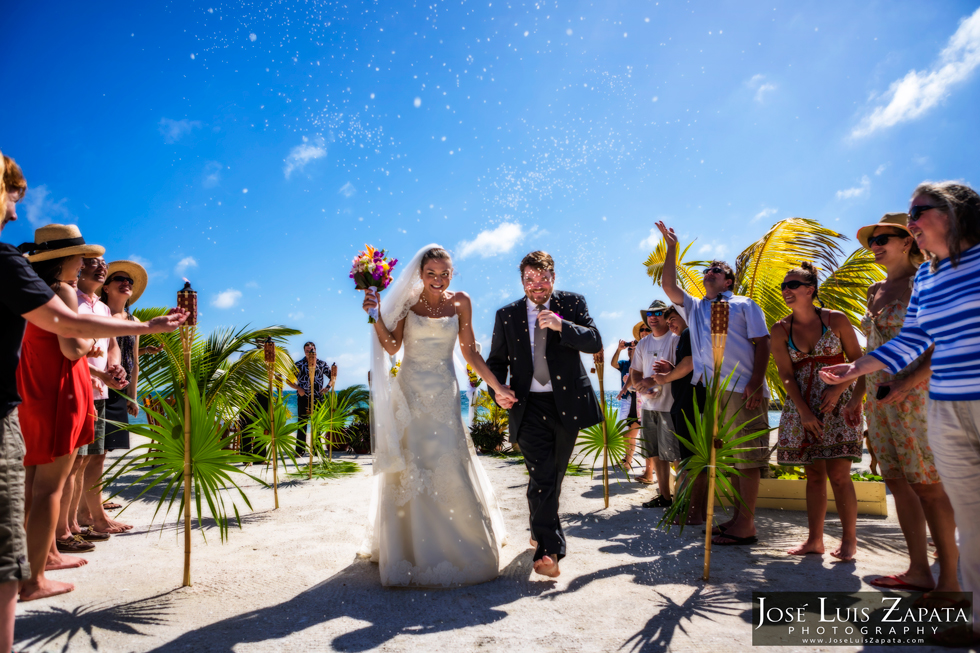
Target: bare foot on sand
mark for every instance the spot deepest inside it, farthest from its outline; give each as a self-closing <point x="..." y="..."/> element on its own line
<point x="546" y="567"/>
<point x="533" y="544"/>
<point x="58" y="561"/>
<point x="43" y="588"/>
<point x="110" y="526"/>
<point x="845" y="552"/>
<point x="810" y="546"/>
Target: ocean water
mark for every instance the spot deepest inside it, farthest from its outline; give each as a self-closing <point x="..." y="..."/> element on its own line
<point x="291" y="403"/>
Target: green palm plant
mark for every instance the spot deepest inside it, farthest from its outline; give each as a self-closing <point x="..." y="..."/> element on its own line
<point x="159" y="462"/>
<point x="261" y="434"/>
<point x="226" y="365"/>
<point x="487" y="410"/>
<point x="761" y="267"/>
<point x="592" y="443"/>
<point x="701" y="439"/>
<point x="335" y="412"/>
<point x="358" y="397"/>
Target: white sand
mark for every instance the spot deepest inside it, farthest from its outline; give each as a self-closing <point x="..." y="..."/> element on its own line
<point x="289" y="581"/>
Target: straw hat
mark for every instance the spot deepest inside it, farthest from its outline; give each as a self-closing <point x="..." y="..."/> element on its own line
<point x="636" y="330"/>
<point x="135" y="271"/>
<point x="58" y="240"/>
<point x="655" y="305"/>
<point x="898" y="221"/>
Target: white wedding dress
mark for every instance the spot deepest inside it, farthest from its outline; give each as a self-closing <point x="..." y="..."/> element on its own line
<point x="435" y="521"/>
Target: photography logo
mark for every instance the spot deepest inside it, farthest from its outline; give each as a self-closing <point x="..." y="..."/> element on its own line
<point x="855" y="618"/>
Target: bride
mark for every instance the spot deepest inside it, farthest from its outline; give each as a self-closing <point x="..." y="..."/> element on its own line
<point x="435" y="519"/>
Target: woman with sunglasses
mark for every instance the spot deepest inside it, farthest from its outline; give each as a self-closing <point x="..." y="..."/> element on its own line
<point x="944" y="219"/>
<point x="896" y="416"/>
<point x="813" y="430"/>
<point x="627" y="395"/>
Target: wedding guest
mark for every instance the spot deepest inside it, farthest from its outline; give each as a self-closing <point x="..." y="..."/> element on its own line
<point x="684" y="409"/>
<point x="26" y="298"/>
<point x="897" y="426"/>
<point x="747" y="347"/>
<point x="813" y="431"/>
<point x="322" y="382"/>
<point x="660" y="445"/>
<point x="944" y="219"/>
<point x="627" y="395"/>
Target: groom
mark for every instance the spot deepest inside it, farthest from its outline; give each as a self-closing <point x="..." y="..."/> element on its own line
<point x="539" y="339"/>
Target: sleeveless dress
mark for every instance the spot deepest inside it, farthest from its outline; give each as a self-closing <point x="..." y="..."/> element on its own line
<point x="58" y="411"/>
<point x="897" y="433"/>
<point x="795" y="446"/>
<point x="116" y="405"/>
<point x="437" y="523"/>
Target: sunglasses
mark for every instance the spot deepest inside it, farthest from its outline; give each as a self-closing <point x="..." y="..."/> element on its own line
<point x="793" y="285"/>
<point x="121" y="280"/>
<point x="916" y="211"/>
<point x="95" y="261"/>
<point x="655" y="314"/>
<point x="882" y="239"/>
<point x="715" y="270"/>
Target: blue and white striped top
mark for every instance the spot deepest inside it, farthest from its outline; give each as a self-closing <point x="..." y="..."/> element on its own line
<point x="945" y="311"/>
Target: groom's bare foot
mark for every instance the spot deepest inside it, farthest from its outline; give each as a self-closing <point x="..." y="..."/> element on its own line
<point x="547" y="567"/>
<point x="533" y="544"/>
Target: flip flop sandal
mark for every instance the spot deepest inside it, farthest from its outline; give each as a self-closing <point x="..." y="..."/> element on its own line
<point x="736" y="541"/>
<point x="896" y="583"/>
<point x="90" y="535"/>
<point x="658" y="502"/>
<point x="74" y="544"/>
<point x="108" y="505"/>
<point x="930" y="599"/>
<point x="640" y="479"/>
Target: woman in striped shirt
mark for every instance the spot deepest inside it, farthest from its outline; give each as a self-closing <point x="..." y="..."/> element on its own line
<point x="944" y="311"/>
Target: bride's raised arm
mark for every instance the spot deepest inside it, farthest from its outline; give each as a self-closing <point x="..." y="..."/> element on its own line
<point x="391" y="341"/>
<point x="467" y="345"/>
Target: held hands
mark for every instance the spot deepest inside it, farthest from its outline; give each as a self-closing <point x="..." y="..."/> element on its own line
<point x="670" y="238"/>
<point x="830" y="397"/>
<point x="837" y="374"/>
<point x="549" y="320"/>
<point x="371" y="300"/>
<point x="505" y="397"/>
<point x="115" y="377"/>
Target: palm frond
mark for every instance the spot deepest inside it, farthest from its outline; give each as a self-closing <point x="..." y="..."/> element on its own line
<point x="261" y="433"/>
<point x="846" y="288"/>
<point x="591" y="442"/>
<point x="688" y="277"/>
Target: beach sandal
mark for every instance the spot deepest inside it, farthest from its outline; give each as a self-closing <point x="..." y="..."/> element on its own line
<point x="74" y="544"/>
<point x="962" y="636"/>
<point x="936" y="600"/>
<point x="896" y="583"/>
<point x="658" y="502"/>
<point x="735" y="541"/>
<point x="108" y="505"/>
<point x="91" y="535"/>
<point x="643" y="479"/>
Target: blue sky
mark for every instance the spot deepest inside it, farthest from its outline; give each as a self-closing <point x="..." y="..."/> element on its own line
<point x="254" y="148"/>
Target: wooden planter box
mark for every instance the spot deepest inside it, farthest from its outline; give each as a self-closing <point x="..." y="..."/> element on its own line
<point x="790" y="494"/>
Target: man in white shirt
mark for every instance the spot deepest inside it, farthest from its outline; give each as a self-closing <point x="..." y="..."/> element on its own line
<point x="747" y="353"/>
<point x="659" y="442"/>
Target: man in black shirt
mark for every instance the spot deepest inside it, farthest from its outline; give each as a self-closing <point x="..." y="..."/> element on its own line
<point x="26" y="298"/>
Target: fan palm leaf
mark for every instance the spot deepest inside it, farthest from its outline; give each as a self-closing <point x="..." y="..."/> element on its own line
<point x="261" y="433"/>
<point x="846" y="288"/>
<point x="592" y="443"/>
<point x="688" y="277"/>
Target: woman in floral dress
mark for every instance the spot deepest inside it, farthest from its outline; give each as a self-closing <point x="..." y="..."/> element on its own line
<point x="897" y="422"/>
<point x="813" y="429"/>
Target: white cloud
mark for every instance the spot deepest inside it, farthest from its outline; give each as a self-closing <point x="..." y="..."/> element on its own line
<point x="347" y="190"/>
<point x="763" y="214"/>
<point x="297" y="316"/>
<point x="41" y="209"/>
<point x="491" y="242"/>
<point x="651" y="241"/>
<point x="916" y="93"/>
<point x="174" y="130"/>
<point x="610" y="315"/>
<point x="226" y="299"/>
<point x="714" y="248"/>
<point x="184" y="264"/>
<point x="251" y="284"/>
<point x="761" y="86"/>
<point x="857" y="191"/>
<point x="148" y="266"/>
<point x="881" y="169"/>
<point x="212" y="174"/>
<point x="303" y="153"/>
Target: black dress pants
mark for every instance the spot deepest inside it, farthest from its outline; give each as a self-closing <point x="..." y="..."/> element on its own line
<point x="303" y="407"/>
<point x="547" y="447"/>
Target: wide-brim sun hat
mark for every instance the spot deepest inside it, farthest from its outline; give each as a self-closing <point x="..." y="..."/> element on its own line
<point x="893" y="220"/>
<point x="655" y="305"/>
<point x="135" y="271"/>
<point x="636" y="330"/>
<point x="59" y="240"/>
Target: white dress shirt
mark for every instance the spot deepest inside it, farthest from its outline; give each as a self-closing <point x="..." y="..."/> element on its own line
<point x="532" y="319"/>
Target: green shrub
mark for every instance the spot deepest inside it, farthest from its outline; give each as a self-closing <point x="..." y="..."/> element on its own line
<point x="487" y="436"/>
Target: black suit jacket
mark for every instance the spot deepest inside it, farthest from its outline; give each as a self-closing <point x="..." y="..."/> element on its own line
<point x="510" y="352"/>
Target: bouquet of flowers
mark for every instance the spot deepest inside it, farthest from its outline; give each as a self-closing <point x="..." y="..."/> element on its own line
<point x="372" y="270"/>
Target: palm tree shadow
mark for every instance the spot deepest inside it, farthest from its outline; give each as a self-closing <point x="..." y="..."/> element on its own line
<point x="705" y="602"/>
<point x="42" y="628"/>
<point x="355" y="593"/>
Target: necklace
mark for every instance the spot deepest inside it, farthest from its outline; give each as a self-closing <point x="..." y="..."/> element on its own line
<point x="428" y="307"/>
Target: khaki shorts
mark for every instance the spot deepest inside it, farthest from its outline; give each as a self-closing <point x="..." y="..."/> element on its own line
<point x="97" y="448"/>
<point x="754" y="421"/>
<point x="659" y="440"/>
<point x="13" y="539"/>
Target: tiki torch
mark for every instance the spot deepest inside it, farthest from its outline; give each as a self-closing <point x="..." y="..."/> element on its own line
<point x="598" y="359"/>
<point x="187" y="300"/>
<point x="719" y="334"/>
<point x="311" y="373"/>
<point x="269" y="348"/>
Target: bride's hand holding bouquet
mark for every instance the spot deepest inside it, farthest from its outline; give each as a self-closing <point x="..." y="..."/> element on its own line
<point x="371" y="272"/>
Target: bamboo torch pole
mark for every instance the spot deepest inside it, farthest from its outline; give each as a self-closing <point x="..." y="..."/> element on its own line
<point x="333" y="404"/>
<point x="311" y="373"/>
<point x="187" y="299"/>
<point x="599" y="360"/>
<point x="270" y="361"/>
<point x="719" y="334"/>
